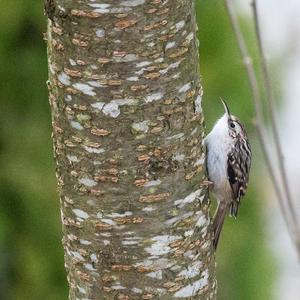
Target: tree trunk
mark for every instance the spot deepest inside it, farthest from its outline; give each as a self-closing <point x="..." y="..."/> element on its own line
<point x="127" y="127"/>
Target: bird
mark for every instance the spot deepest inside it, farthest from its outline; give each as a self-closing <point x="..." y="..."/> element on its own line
<point x="228" y="162"/>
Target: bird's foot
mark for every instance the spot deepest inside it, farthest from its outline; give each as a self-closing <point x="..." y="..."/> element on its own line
<point x="207" y="184"/>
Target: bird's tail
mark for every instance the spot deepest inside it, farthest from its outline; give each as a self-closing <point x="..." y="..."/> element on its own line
<point x="218" y="223"/>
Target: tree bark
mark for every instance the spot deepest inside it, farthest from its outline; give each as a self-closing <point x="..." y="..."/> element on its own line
<point x="125" y="96"/>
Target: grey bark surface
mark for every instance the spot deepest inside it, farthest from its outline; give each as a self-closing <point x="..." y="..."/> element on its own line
<point x="125" y="96"/>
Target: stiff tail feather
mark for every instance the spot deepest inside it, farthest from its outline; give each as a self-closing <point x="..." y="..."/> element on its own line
<point x="218" y="223"/>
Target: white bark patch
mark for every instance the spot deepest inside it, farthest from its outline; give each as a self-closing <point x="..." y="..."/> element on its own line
<point x="76" y="255"/>
<point x="170" y="45"/>
<point x="190" y="255"/>
<point x="99" y="5"/>
<point x="162" y="263"/>
<point x="160" y="244"/>
<point x="179" y="25"/>
<point x="84" y="88"/>
<point x="189" y="37"/>
<point x="125" y="101"/>
<point x="132" y="3"/>
<point x="119" y="10"/>
<point x="192" y="289"/>
<point x="141" y="126"/>
<point x="132" y="78"/>
<point x="178" y="157"/>
<point x="106" y="234"/>
<point x="100" y="33"/>
<point x="109" y="222"/>
<point x="136" y="290"/>
<point x="76" y="125"/>
<point x="117" y="215"/>
<point x="153" y="97"/>
<point x="148" y="35"/>
<point x="126" y="58"/>
<point x="72" y="237"/>
<point x="206" y="244"/>
<point x="64" y="78"/>
<point x="189" y="233"/>
<point x="188" y="199"/>
<point x="177" y="75"/>
<point x="100" y="8"/>
<point x="111" y="109"/>
<point x="99" y="215"/>
<point x="98" y="105"/>
<point x="178" y="218"/>
<point x="175" y="268"/>
<point x="95" y="84"/>
<point x="94" y="258"/>
<point x="132" y="240"/>
<point x="185" y="88"/>
<point x="81" y="289"/>
<point x="149" y="208"/>
<point x="140" y="72"/>
<point x="72" y="62"/>
<point x="156" y="274"/>
<point x="89" y="267"/>
<point x="61" y="215"/>
<point x="51" y="68"/>
<point x="202" y="221"/>
<point x="151" y="44"/>
<point x="143" y="64"/>
<point x="80" y="213"/>
<point x="199" y="161"/>
<point x="159" y="60"/>
<point x="118" y="287"/>
<point x="72" y="158"/>
<point x="176" y="136"/>
<point x="91" y="202"/>
<point x="85" y="242"/>
<point x="87" y="182"/>
<point x="129" y="243"/>
<point x="93" y="150"/>
<point x="156" y="265"/>
<point x="129" y="233"/>
<point x="194" y="130"/>
<point x="170" y="67"/>
<point x="68" y="98"/>
<point x="191" y="271"/>
<point x="198" y="106"/>
<point x="152" y="183"/>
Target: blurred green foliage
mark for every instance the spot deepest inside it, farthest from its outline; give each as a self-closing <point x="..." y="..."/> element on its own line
<point x="245" y="269"/>
<point x="31" y="255"/>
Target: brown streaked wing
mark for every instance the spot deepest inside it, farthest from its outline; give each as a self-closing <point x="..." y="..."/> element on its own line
<point x="238" y="167"/>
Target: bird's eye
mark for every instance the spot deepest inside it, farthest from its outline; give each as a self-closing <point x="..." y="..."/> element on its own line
<point x="232" y="125"/>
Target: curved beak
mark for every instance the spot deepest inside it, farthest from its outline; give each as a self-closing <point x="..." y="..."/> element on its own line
<point x="226" y="109"/>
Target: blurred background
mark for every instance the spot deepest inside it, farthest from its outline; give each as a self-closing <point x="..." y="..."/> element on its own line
<point x="255" y="257"/>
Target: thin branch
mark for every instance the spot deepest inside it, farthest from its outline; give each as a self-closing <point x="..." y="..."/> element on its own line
<point x="259" y="122"/>
<point x="270" y="102"/>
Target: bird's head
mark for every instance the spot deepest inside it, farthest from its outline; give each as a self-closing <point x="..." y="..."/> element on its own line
<point x="234" y="125"/>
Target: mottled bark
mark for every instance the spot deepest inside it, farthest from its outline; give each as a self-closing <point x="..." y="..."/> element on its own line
<point x="127" y="126"/>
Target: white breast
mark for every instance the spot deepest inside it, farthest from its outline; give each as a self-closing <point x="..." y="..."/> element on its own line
<point x="218" y="145"/>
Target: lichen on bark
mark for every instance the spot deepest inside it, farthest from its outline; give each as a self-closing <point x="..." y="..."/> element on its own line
<point x="126" y="97"/>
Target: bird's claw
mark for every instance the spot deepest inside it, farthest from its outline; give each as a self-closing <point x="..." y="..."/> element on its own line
<point x="207" y="184"/>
